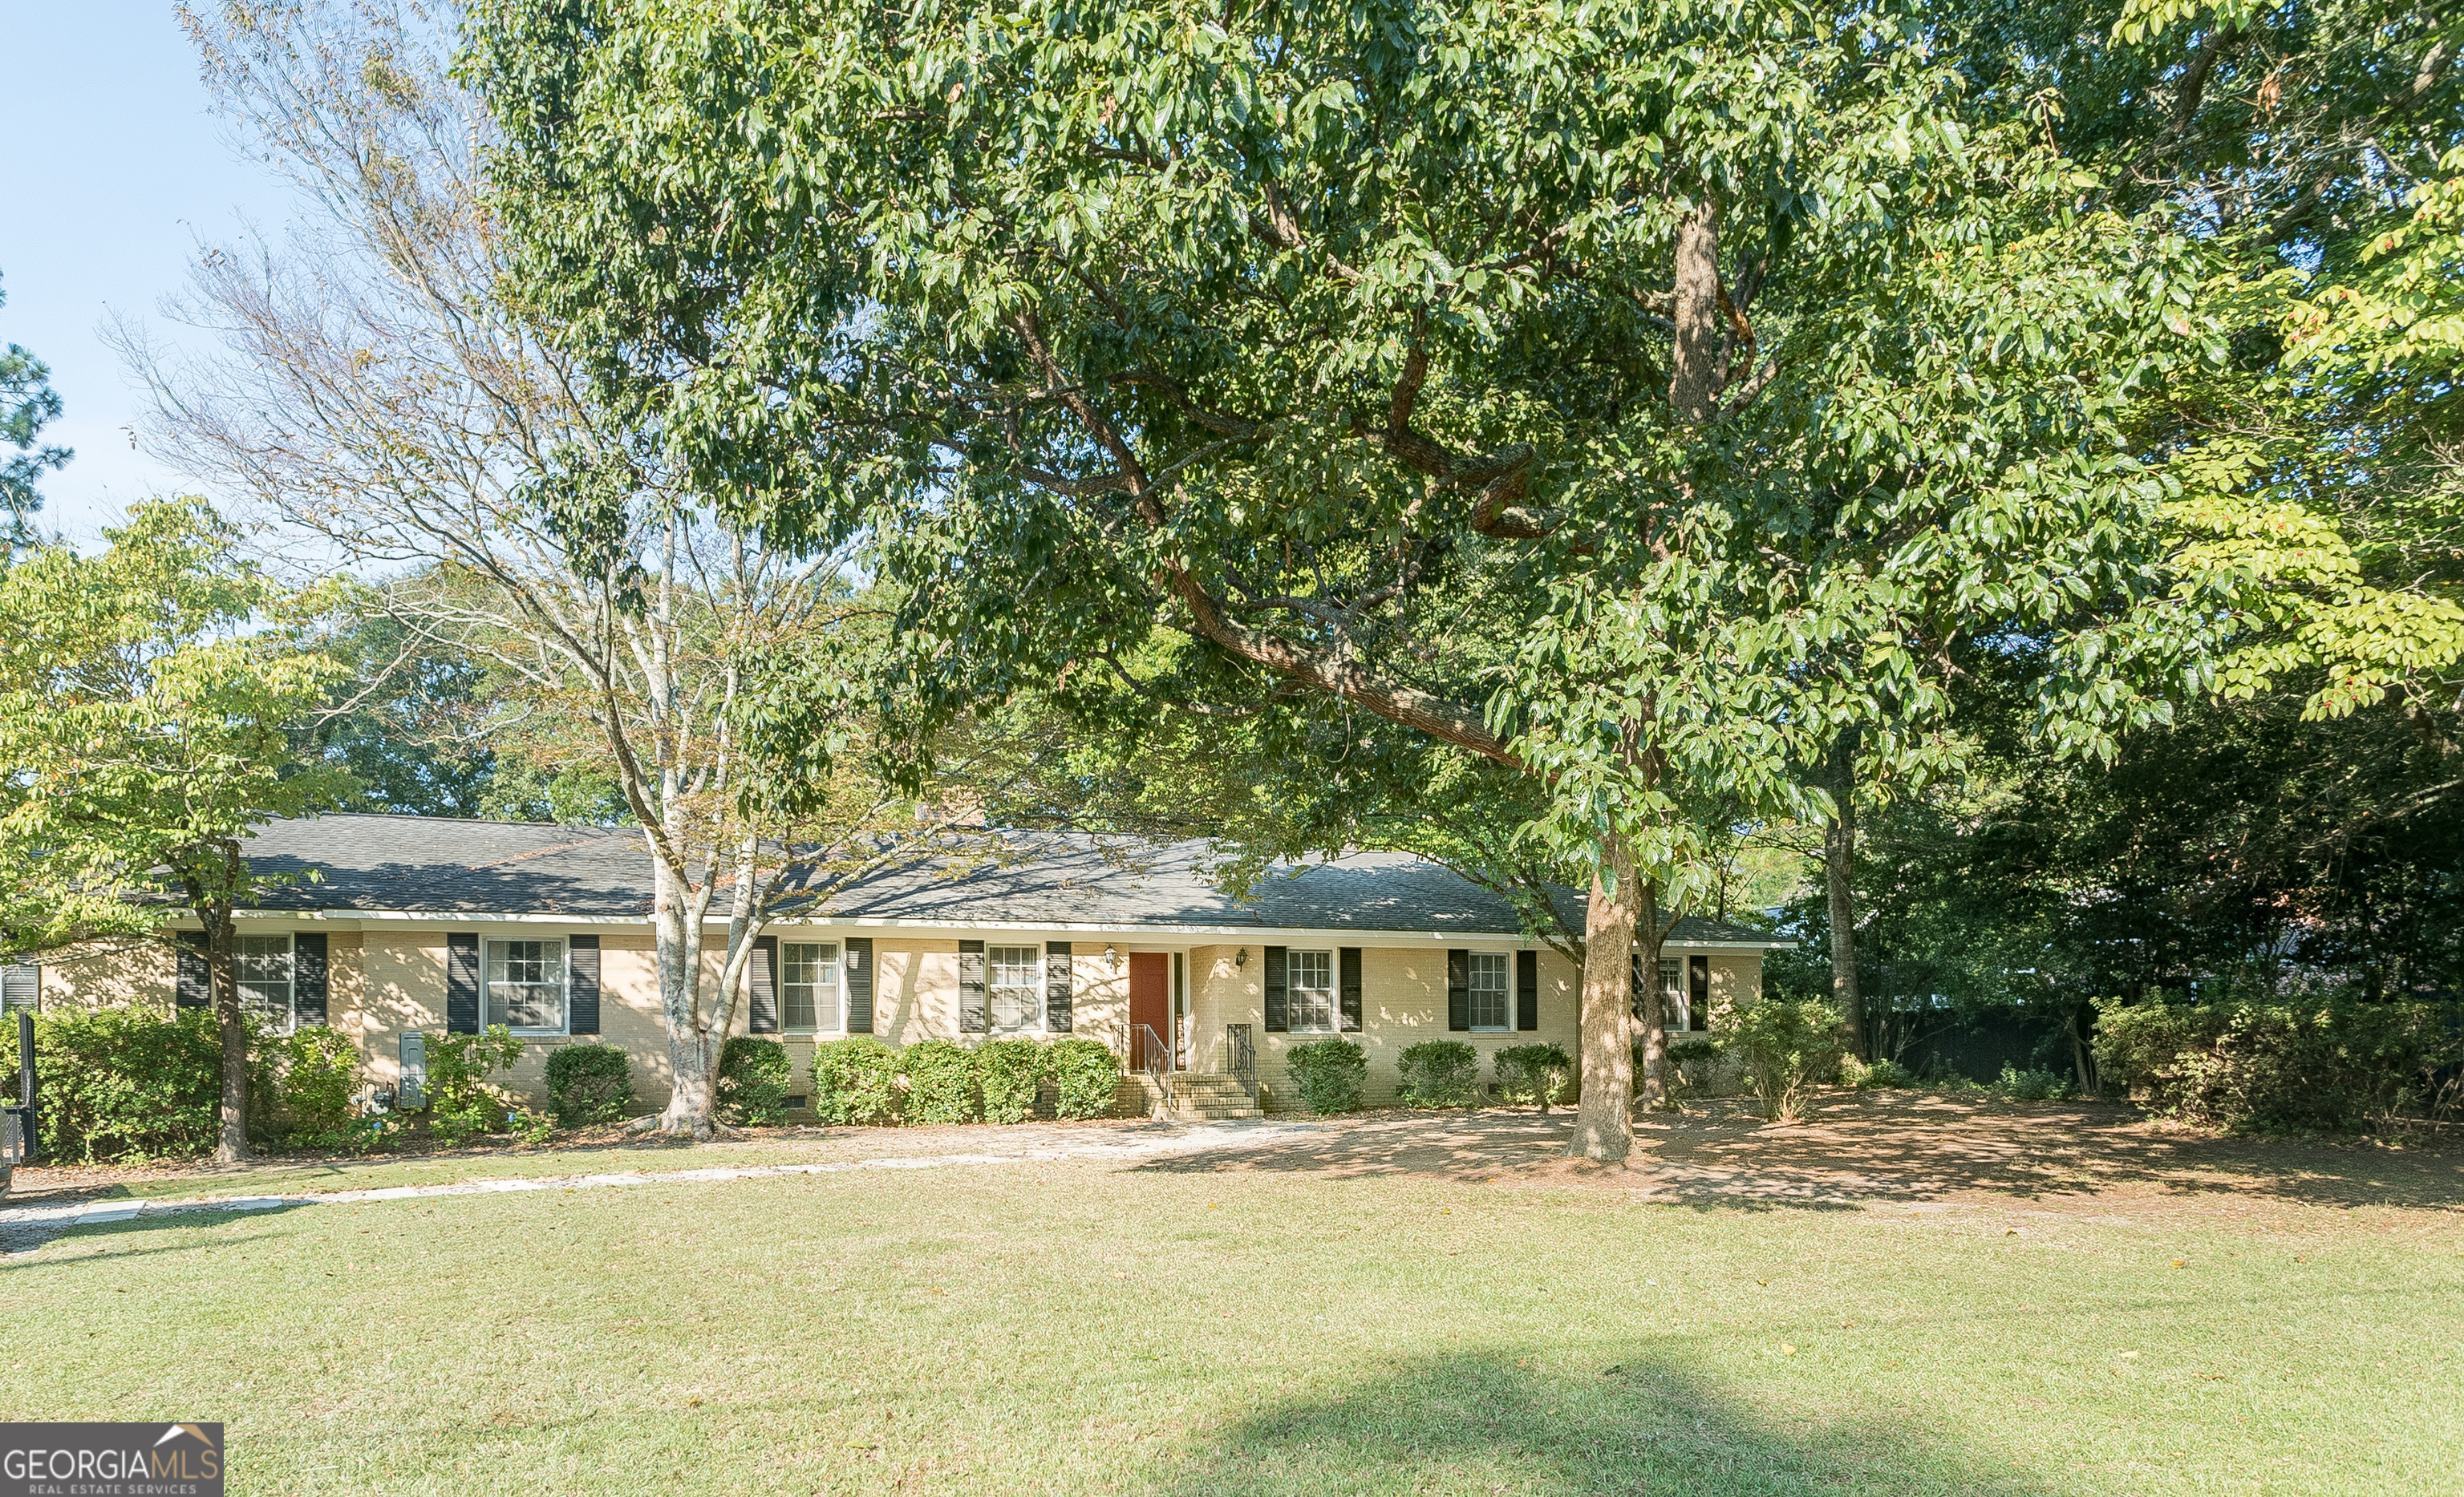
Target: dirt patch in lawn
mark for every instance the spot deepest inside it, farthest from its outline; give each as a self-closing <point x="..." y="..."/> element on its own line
<point x="1860" y="1150"/>
<point x="1867" y="1148"/>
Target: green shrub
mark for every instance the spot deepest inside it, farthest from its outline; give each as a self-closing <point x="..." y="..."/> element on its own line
<point x="1541" y="1073"/>
<point x="1440" y="1073"/>
<point x="461" y="1100"/>
<point x="2323" y="1066"/>
<point x="856" y="1080"/>
<point x="1086" y="1077"/>
<point x="1010" y="1071"/>
<point x="940" y="1082"/>
<point x="2032" y="1086"/>
<point x="1693" y="1065"/>
<point x="589" y="1084"/>
<point x="310" y="1079"/>
<point x="1786" y="1047"/>
<point x="1885" y="1074"/>
<point x="124" y="1084"/>
<point x="129" y="1084"/>
<point x="752" y="1076"/>
<point x="1328" y="1074"/>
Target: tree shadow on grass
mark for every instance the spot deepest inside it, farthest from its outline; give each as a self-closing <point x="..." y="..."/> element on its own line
<point x="1861" y="1149"/>
<point x="19" y="1241"/>
<point x="1487" y="1422"/>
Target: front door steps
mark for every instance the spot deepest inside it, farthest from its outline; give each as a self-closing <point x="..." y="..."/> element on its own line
<point x="1198" y="1097"/>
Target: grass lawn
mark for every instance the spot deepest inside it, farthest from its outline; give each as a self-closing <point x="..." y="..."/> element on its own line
<point x="1199" y="1326"/>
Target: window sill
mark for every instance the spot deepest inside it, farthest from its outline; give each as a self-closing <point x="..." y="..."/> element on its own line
<point x="539" y="1033"/>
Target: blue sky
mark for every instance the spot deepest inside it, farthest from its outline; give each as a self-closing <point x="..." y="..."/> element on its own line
<point x="113" y="173"/>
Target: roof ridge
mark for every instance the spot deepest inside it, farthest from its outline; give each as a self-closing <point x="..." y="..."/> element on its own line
<point x="467" y="821"/>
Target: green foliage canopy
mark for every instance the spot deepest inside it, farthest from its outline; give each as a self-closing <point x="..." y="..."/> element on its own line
<point x="148" y="696"/>
<point x="1554" y="381"/>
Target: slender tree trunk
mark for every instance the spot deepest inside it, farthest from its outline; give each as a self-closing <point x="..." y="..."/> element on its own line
<point x="1838" y="868"/>
<point x="231" y="1021"/>
<point x="1604" y="1115"/>
<point x="1647" y="935"/>
<point x="693" y="1057"/>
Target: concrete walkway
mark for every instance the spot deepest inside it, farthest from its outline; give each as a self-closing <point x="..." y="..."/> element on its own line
<point x="25" y="1228"/>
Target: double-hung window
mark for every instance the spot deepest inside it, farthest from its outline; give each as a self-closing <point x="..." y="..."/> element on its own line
<point x="1017" y="974"/>
<point x="265" y="979"/>
<point x="526" y="986"/>
<point x="1309" y="987"/>
<point x="1492" y="993"/>
<point x="809" y="988"/>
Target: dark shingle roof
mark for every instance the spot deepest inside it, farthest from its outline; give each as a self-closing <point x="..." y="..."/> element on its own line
<point x="382" y="862"/>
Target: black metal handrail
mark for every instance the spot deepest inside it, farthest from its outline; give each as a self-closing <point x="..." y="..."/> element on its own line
<point x="1154" y="1060"/>
<point x="1241" y="1057"/>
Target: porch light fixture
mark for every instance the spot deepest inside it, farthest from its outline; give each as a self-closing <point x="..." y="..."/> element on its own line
<point x="1240" y="959"/>
<point x="1111" y="959"/>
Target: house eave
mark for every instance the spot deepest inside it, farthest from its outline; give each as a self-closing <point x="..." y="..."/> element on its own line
<point x="1122" y="931"/>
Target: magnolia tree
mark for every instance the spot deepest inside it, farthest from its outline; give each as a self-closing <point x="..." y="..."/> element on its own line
<point x="378" y="398"/>
<point x="149" y="701"/>
<point x="1571" y="386"/>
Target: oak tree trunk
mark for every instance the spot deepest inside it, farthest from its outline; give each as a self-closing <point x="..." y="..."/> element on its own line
<point x="1838" y="867"/>
<point x="231" y="1021"/>
<point x="1604" y="1114"/>
<point x="1647" y="934"/>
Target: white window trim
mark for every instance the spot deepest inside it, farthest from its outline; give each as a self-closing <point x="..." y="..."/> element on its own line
<point x="1333" y="990"/>
<point x="1507" y="1028"/>
<point x="1038" y="992"/>
<point x="289" y="970"/>
<point x="1675" y="994"/>
<point x="838" y="968"/>
<point x="488" y="1011"/>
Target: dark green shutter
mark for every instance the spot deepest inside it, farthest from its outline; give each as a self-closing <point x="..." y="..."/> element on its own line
<point x="1458" y="989"/>
<point x="761" y="984"/>
<point x="1348" y="990"/>
<point x="462" y="983"/>
<point x="581" y="996"/>
<point x="308" y="977"/>
<point x="1279" y="993"/>
<point x="195" y="989"/>
<point x="975" y="1008"/>
<point x="859" y="984"/>
<point x="1527" y="989"/>
<point x="1698" y="992"/>
<point x="1635" y="977"/>
<point x="1060" y="986"/>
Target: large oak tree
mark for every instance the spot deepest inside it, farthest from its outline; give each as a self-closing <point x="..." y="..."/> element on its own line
<point x="1629" y="397"/>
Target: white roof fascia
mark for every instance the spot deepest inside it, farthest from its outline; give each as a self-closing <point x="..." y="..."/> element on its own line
<point x="1216" y="934"/>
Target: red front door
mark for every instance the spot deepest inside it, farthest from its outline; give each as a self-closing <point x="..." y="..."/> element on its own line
<point x="1150" y="1005"/>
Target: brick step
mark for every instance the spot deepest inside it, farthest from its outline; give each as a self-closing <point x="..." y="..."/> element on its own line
<point x="1186" y="1113"/>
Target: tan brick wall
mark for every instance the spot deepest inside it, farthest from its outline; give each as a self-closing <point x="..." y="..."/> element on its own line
<point x="1402" y="1002"/>
<point x="915" y="993"/>
<point x="145" y="975"/>
<point x="386" y="981"/>
<point x="398" y="986"/>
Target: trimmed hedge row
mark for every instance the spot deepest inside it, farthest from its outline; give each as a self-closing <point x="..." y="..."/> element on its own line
<point x="1330" y="1074"/>
<point x="862" y="1081"/>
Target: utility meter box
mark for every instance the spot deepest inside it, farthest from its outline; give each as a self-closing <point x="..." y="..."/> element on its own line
<point x="411" y="1096"/>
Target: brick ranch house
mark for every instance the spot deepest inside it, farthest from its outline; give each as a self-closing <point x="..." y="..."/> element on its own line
<point x="423" y="924"/>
